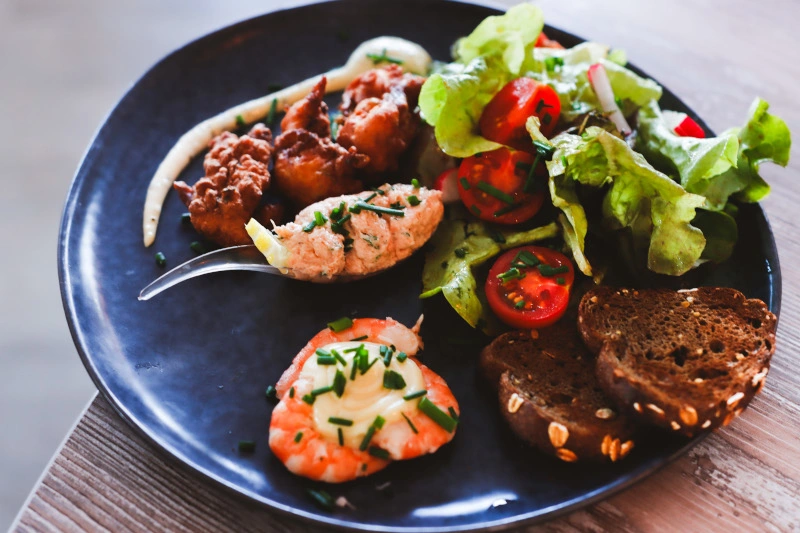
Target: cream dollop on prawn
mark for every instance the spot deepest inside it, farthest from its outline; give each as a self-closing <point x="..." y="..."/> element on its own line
<point x="352" y="236"/>
<point x="414" y="59"/>
<point x="335" y="430"/>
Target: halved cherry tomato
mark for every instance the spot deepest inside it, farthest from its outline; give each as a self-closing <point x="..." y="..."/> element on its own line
<point x="689" y="128"/>
<point x="493" y="186"/>
<point x="447" y="182"/>
<point x="543" y="41"/>
<point x="503" y="119"/>
<point x="528" y="287"/>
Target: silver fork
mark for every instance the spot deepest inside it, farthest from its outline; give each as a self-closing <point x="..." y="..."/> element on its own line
<point x="245" y="257"/>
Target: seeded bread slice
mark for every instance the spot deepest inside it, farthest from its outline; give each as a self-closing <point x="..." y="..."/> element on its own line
<point x="550" y="397"/>
<point x="688" y="361"/>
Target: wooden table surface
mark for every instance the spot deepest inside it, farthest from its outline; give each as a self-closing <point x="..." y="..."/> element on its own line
<point x="717" y="55"/>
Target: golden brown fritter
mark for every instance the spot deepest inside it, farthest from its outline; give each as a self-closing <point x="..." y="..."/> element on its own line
<point x="222" y="202"/>
<point x="309" y="166"/>
<point x="377" y="82"/>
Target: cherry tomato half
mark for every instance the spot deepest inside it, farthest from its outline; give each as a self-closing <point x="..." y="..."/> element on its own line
<point x="543" y="41"/>
<point x="492" y="185"/>
<point x="503" y="119"/>
<point x="528" y="287"/>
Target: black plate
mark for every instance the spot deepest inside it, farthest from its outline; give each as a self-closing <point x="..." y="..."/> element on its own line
<point x="188" y="369"/>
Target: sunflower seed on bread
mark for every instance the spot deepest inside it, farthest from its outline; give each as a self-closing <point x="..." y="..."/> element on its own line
<point x="686" y="361"/>
<point x="550" y="398"/>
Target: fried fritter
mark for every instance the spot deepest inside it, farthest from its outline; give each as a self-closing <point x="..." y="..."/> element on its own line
<point x="309" y="166"/>
<point x="221" y="203"/>
<point x="377" y="82"/>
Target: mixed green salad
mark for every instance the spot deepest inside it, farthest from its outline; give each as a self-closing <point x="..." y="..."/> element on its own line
<point x="584" y="137"/>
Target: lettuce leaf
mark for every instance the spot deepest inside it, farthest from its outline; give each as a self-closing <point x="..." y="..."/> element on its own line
<point x="512" y="35"/>
<point x="457" y="247"/>
<point x="717" y="167"/>
<point x="650" y="206"/>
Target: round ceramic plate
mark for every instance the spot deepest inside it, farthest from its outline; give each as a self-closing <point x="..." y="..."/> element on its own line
<point x="188" y="368"/>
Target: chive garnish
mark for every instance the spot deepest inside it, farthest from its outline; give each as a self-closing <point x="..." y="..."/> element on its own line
<point x="545" y="149"/>
<point x="377" y="209"/>
<point x="340" y="324"/>
<point x="340" y="421"/>
<point x="291" y="392"/>
<point x="397" y="205"/>
<point x="240" y="121"/>
<point x="370" y="365"/>
<point x="298" y="437"/>
<point x="186" y="218"/>
<point x="511" y="273"/>
<point x="528" y="258"/>
<point x="380" y="453"/>
<point x="453" y="413"/>
<point x="507" y="209"/>
<point x="564" y="160"/>
<point x="497" y="237"/>
<point x="273" y="111"/>
<point x="433" y="412"/>
<point x="370" y="197"/>
<point x="413" y="427"/>
<point x="161" y="259"/>
<point x="413" y="200"/>
<point x="387" y="358"/>
<point x="361" y="338"/>
<point x="337" y="212"/>
<point x="520" y="304"/>
<point x="308" y="228"/>
<point x="475" y="209"/>
<point x="528" y="187"/>
<point x="561" y="281"/>
<point x="402" y="356"/>
<point x="416" y="394"/>
<point x="551" y="63"/>
<point x="491" y="190"/>
<point x="549" y="271"/>
<point x="460" y="252"/>
<point x="326" y="360"/>
<point x="353" y="370"/>
<point x="379" y="422"/>
<point x="321" y="498"/>
<point x="379" y="190"/>
<point x="319" y="218"/>
<point x="321" y="390"/>
<point x="271" y="393"/>
<point x="376" y="425"/>
<point x="339" y="382"/>
<point x="309" y="399"/>
<point x="247" y="446"/>
<point x="351" y="350"/>
<point x="197" y="247"/>
<point x="341" y="436"/>
<point x="415" y="183"/>
<point x="464" y="183"/>
<point x="383" y="58"/>
<point x="322" y="352"/>
<point x="393" y="380"/>
<point x="339" y="357"/>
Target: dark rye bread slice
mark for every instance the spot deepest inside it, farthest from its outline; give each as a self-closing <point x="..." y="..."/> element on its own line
<point x="688" y="361"/>
<point x="550" y="397"/>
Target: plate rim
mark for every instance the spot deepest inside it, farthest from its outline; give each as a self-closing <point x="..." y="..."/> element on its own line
<point x="176" y="457"/>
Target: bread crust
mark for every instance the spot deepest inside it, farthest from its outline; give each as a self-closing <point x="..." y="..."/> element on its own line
<point x="686" y="361"/>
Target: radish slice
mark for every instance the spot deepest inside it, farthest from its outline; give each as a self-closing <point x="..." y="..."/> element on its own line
<point x="672" y="119"/>
<point x="448" y="184"/>
<point x="605" y="94"/>
<point x="689" y="128"/>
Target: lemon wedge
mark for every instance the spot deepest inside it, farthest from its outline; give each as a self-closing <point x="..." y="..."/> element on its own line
<point x="268" y="244"/>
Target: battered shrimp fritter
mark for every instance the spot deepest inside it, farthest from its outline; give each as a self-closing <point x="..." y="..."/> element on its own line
<point x="379" y="118"/>
<point x="221" y="203"/>
<point x="309" y="166"/>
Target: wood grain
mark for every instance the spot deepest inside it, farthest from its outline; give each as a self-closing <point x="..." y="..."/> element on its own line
<point x="717" y="55"/>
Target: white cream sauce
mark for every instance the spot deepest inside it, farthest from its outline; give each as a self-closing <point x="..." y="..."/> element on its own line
<point x="414" y="57"/>
<point x="365" y="397"/>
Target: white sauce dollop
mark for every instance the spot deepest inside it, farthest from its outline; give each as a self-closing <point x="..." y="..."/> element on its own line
<point x="365" y="397"/>
<point x="414" y="57"/>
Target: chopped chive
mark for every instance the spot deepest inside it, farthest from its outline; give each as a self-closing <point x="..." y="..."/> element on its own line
<point x="416" y="394"/>
<point x="464" y="183"/>
<point x="507" y="209"/>
<point x="528" y="258"/>
<point x="247" y="446"/>
<point x="380" y="453"/>
<point x="339" y="357"/>
<point x="240" y="121"/>
<point x="460" y="252"/>
<point x="378" y="209"/>
<point x="353" y="370"/>
<point x="547" y="119"/>
<point x="402" y="356"/>
<point x="413" y="200"/>
<point x="338" y="212"/>
<point x="321" y="390"/>
<point x="161" y="259"/>
<point x="340" y="324"/>
<point x="370" y="197"/>
<point x="326" y="360"/>
<point x="551" y="63"/>
<point x="308" y="228"/>
<point x="341" y="436"/>
<point x="271" y="393"/>
<point x="415" y="183"/>
<point x="361" y="338"/>
<point x="561" y="281"/>
<point x="197" y="247"/>
<point x="340" y="421"/>
<point x="322" y="352"/>
<point x="387" y="357"/>
<point x="351" y="350"/>
<point x="497" y="237"/>
<point x="529" y="181"/>
<point x="319" y="218"/>
<point x="186" y="218"/>
<point x="291" y="392"/>
<point x="321" y="498"/>
<point x="370" y="365"/>
<point x="273" y="111"/>
<point x="453" y="413"/>
<point x="379" y="422"/>
<point x="520" y="304"/>
<point x="393" y="380"/>
<point x="511" y="273"/>
<point x="549" y="271"/>
<point x="367" y="438"/>
<point x="379" y="190"/>
<point x="491" y="190"/>
<point x="309" y="399"/>
<point x="475" y="209"/>
<point x="298" y="437"/>
<point x="397" y="205"/>
<point x="413" y="427"/>
<point x="339" y="383"/>
<point x="383" y="58"/>
<point x="432" y="411"/>
<point x="563" y="160"/>
<point x="544" y="149"/>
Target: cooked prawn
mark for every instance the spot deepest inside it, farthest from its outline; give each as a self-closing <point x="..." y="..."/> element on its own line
<point x="301" y="446"/>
